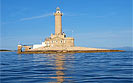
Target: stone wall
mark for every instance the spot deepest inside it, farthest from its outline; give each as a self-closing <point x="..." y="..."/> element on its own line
<point x="60" y="42"/>
<point x="27" y="48"/>
<point x="19" y="48"/>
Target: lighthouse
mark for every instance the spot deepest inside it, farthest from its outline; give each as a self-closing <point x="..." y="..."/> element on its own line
<point x="58" y="21"/>
<point x="59" y="39"/>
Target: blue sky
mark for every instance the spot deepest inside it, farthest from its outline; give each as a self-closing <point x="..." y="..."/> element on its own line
<point x="95" y="23"/>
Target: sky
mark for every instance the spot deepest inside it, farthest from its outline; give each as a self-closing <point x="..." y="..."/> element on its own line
<point x="92" y="23"/>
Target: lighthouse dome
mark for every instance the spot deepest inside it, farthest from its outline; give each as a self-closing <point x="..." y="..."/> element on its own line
<point x="57" y="9"/>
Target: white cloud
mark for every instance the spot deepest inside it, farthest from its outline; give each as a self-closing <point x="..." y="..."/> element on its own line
<point x="36" y="17"/>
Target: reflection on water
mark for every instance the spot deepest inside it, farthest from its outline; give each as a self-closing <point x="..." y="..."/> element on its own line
<point x="59" y="62"/>
<point x="66" y="68"/>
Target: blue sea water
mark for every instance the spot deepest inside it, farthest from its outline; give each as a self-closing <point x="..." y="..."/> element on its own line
<point x="113" y="67"/>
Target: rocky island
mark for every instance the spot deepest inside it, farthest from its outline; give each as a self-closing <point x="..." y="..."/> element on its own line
<point x="59" y="42"/>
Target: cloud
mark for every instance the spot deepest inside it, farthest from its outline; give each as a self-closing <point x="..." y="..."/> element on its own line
<point x="29" y="18"/>
<point x="36" y="17"/>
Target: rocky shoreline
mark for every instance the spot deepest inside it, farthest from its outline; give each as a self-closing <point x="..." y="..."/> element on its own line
<point x="6" y="51"/>
<point x="64" y="51"/>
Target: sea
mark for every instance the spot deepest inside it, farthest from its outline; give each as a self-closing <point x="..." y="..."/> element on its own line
<point x="111" y="67"/>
